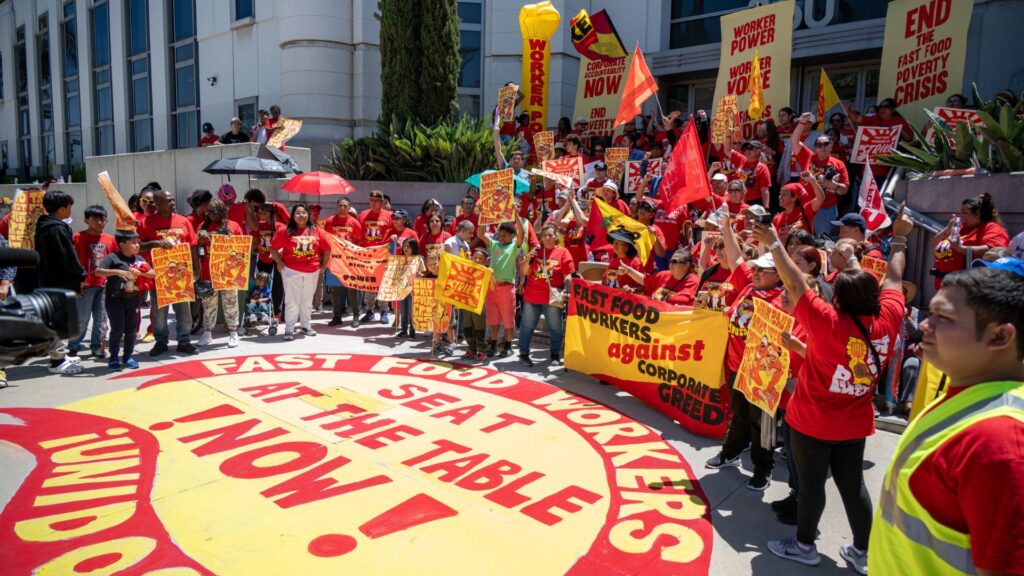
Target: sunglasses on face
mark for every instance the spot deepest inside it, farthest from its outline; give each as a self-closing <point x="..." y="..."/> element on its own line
<point x="822" y="144"/>
<point x="676" y="262"/>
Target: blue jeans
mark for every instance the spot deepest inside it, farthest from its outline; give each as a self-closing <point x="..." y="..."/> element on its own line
<point x="406" y="313"/>
<point x="823" y="221"/>
<point x="90" y="303"/>
<point x="531" y="316"/>
<point x="182" y="319"/>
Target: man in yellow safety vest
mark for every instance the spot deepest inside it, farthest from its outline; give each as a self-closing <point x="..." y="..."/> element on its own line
<point x="953" y="498"/>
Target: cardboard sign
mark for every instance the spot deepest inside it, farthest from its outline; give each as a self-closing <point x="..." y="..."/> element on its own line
<point x="229" y="261"/>
<point x="954" y="116"/>
<point x="876" y="266"/>
<point x="398" y="276"/>
<point x="462" y="283"/>
<point x="289" y="128"/>
<point x="428" y="315"/>
<point x="764" y="369"/>
<point x="174" y="275"/>
<point x="572" y="167"/>
<point x="25" y="210"/>
<point x="635" y="174"/>
<point x="125" y="220"/>
<point x="496" y="197"/>
<point x="872" y="141"/>
<point x="544" y="145"/>
<point x="616" y="159"/>
<point x="507" y="102"/>
<point x="359" y="267"/>
<point x="725" y="120"/>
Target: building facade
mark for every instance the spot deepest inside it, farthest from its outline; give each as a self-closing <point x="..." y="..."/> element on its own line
<point x="94" y="77"/>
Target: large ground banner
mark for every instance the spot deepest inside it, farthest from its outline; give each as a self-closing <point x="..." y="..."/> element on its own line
<point x="229" y="261"/>
<point x="174" y="275"/>
<point x="668" y="357"/>
<point x="284" y="464"/>
<point x="923" y="54"/>
<point x="769" y="30"/>
<point x="359" y="267"/>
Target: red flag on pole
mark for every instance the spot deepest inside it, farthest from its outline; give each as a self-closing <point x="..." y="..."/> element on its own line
<point x="686" y="177"/>
<point x="640" y="86"/>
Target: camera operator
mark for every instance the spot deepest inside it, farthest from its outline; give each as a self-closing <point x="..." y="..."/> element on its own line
<point x="58" y="266"/>
<point x="7" y="274"/>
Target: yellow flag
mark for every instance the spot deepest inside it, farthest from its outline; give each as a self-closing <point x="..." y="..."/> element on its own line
<point x="827" y="99"/>
<point x="930" y="387"/>
<point x="612" y="218"/>
<point x="756" y="106"/>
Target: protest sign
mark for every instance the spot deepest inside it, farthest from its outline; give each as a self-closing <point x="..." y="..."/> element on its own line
<point x="428" y="315"/>
<point x="767" y="29"/>
<point x="764" y="369"/>
<point x="634" y="177"/>
<point x="398" y="276"/>
<point x="544" y="144"/>
<point x="566" y="167"/>
<point x="507" y="102"/>
<point x="872" y="141"/>
<point x="537" y="23"/>
<point x="462" y="283"/>
<point x="600" y="85"/>
<point x="496" y="194"/>
<point x="876" y="266"/>
<point x="655" y="166"/>
<point x="125" y="220"/>
<point x="954" y="116"/>
<point x="25" y="210"/>
<point x="289" y="127"/>
<point x="359" y="267"/>
<point x="229" y="261"/>
<point x="668" y="357"/>
<point x="201" y="468"/>
<point x="616" y="159"/>
<point x="923" y="54"/>
<point x="872" y="207"/>
<point x="174" y="275"/>
<point x="725" y="119"/>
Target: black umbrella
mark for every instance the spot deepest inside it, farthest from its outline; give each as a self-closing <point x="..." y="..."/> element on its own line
<point x="247" y="165"/>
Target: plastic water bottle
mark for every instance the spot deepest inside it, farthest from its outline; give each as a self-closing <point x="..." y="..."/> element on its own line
<point x="954" y="233"/>
<point x="722" y="214"/>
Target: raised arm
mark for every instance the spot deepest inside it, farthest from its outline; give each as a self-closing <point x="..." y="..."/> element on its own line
<point x="732" y="246"/>
<point x="791" y="276"/>
<point x="803" y="126"/>
<point x="499" y="156"/>
<point x="819" y="194"/>
<point x="901" y="226"/>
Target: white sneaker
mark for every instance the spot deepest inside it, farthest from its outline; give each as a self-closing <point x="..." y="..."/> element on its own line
<point x="66" y="367"/>
<point x="232" y="339"/>
<point x="858" y="560"/>
<point x="252" y="318"/>
<point x="205" y="339"/>
<point x="73" y="359"/>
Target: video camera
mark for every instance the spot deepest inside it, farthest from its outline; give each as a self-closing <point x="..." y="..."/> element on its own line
<point x="29" y="323"/>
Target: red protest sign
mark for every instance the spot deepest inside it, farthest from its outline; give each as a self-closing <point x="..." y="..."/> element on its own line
<point x="872" y="141"/>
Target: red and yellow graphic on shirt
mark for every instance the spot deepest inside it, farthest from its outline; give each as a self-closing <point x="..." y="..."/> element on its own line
<point x="229" y="261"/>
<point x="174" y="275"/>
<point x="462" y="283"/>
<point x="496" y="194"/>
<point x="358" y="267"/>
<point x="338" y="463"/>
<point x="26" y="209"/>
<point x="764" y="369"/>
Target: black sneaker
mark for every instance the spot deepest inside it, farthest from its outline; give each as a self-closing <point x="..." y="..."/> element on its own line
<point x="524" y="360"/>
<point x="787" y="503"/>
<point x="355" y="322"/>
<point x="506" y="350"/>
<point x="368" y="317"/>
<point x="760" y="481"/>
<point x="720" y="461"/>
<point x="187" y="349"/>
<point x="492" y="348"/>
<point x="555" y="360"/>
<point x="334" y="322"/>
<point x="158" y="349"/>
<point x="402" y="334"/>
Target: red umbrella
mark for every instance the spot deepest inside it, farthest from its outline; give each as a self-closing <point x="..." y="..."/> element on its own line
<point x="318" y="184"/>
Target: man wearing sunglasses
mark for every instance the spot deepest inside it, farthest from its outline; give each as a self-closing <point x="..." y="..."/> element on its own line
<point x="830" y="172"/>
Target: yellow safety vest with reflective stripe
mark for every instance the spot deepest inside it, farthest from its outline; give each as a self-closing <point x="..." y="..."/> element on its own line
<point x="905" y="539"/>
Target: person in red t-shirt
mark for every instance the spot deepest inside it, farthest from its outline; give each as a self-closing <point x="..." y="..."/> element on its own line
<point x="854" y="227"/>
<point x="958" y="473"/>
<point x="887" y="116"/>
<point x="92" y="245"/>
<point x="419" y="225"/>
<point x="830" y="172"/>
<point x="545" y="267"/>
<point x="301" y="252"/>
<point x="467" y="211"/>
<point x="758" y="279"/>
<point x="625" y="269"/>
<point x="377" y="230"/>
<point x="344" y="226"/>
<point x="646" y="209"/>
<point x="267" y="226"/>
<point x="734" y="200"/>
<point x="164" y="229"/>
<point x="609" y="193"/>
<point x="210" y="136"/>
<point x="796" y="212"/>
<point x="831" y="412"/>
<point x="400" y="227"/>
<point x="432" y="242"/>
<point x="573" y="233"/>
<point x="981" y="230"/>
<point x="216" y="222"/>
<point x="574" y="148"/>
<point x="754" y="173"/>
<point x="678" y="284"/>
<point x="244" y="214"/>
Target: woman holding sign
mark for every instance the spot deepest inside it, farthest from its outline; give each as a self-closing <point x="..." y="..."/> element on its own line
<point x="547" y="268"/>
<point x="216" y="222"/>
<point x="301" y="252"/>
<point x="831" y="412"/>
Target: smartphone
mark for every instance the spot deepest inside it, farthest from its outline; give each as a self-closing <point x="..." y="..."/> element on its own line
<point x="765" y="219"/>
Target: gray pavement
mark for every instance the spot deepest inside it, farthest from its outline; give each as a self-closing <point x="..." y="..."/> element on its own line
<point x="742" y="519"/>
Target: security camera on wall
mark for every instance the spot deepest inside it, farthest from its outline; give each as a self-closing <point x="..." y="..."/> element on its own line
<point x="212" y="80"/>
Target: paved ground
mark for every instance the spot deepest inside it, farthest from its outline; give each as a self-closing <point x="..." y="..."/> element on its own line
<point x="742" y="519"/>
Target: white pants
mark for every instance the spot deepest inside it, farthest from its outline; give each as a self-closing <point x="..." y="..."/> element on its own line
<point x="299" y="288"/>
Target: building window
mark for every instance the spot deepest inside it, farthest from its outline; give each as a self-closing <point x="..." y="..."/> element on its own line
<point x="244" y="9"/>
<point x="48" y="152"/>
<point x="246" y="109"/>
<point x="471" y="53"/>
<point x="103" y="94"/>
<point x="140" y="114"/>
<point x="184" y="95"/>
<point x="21" y="90"/>
<point x="72" y="97"/>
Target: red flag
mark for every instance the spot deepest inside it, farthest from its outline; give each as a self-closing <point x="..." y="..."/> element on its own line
<point x="870" y="201"/>
<point x="640" y="86"/>
<point x="686" y="178"/>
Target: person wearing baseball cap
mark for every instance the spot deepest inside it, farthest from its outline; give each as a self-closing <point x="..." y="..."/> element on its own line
<point x="209" y="136"/>
<point x="854" y="227"/>
<point x="377" y="230"/>
<point x="646" y="209"/>
<point x="235" y="136"/>
<point x="748" y="167"/>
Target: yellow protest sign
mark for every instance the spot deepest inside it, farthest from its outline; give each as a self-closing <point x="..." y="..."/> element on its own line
<point x="725" y="120"/>
<point x="25" y="210"/>
<point x="616" y="159"/>
<point x="765" y="367"/>
<point x="125" y="218"/>
<point x="537" y="23"/>
<point x="507" y="102"/>
<point x="428" y="315"/>
<point x="544" y="143"/>
<point x="923" y="54"/>
<point x="174" y="275"/>
<point x="462" y="283"/>
<point x="496" y="194"/>
<point x="876" y="266"/>
<point x="668" y="357"/>
<point x="229" y="261"/>
<point x="398" y="276"/>
<point x="289" y="128"/>
<point x="768" y="30"/>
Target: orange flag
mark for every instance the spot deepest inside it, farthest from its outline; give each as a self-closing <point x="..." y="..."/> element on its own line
<point x="640" y="86"/>
<point x="756" y="106"/>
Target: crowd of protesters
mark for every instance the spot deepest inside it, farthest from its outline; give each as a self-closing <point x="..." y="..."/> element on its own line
<point x="780" y="225"/>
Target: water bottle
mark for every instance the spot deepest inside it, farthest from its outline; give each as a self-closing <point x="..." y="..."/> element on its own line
<point x="722" y="214"/>
<point x="954" y="233"/>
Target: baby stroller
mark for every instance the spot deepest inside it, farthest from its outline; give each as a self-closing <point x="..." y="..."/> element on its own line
<point x="251" y="325"/>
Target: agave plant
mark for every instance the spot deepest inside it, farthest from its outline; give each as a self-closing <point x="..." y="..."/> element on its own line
<point x="411" y="152"/>
<point x="995" y="146"/>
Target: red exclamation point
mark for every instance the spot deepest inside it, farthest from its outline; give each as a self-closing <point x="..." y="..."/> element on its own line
<point x="215" y="412"/>
<point x="417" y="510"/>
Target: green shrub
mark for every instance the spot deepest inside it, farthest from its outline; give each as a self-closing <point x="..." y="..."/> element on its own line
<point x="410" y="152"/>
